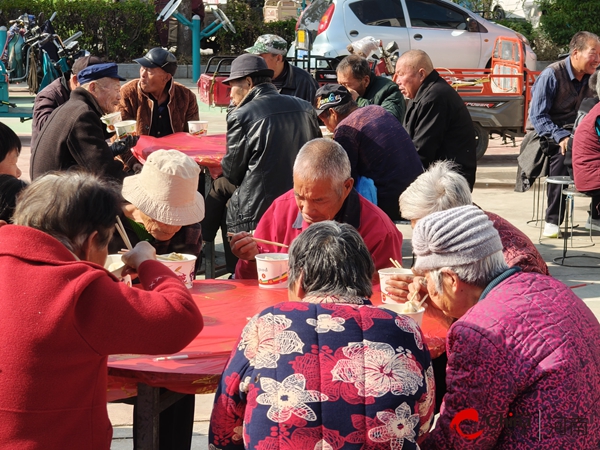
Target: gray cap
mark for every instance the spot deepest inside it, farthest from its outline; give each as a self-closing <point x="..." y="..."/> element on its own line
<point x="454" y="237"/>
<point x="246" y="65"/>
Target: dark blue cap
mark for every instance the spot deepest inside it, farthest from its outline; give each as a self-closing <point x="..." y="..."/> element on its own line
<point x="97" y="71"/>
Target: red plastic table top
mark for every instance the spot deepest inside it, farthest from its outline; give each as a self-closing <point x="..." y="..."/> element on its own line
<point x="226" y="306"/>
<point x="207" y="151"/>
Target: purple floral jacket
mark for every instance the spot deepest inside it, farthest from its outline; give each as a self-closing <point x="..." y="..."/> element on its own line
<point x="523" y="370"/>
<point x="325" y="373"/>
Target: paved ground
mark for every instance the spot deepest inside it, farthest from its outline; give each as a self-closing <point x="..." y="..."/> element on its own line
<point x="493" y="192"/>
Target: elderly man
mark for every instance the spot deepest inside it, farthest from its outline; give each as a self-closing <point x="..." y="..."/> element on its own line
<point x="436" y="119"/>
<point x="378" y="147"/>
<point x="57" y="93"/>
<point x="524" y="351"/>
<point x="556" y="97"/>
<point x="264" y="133"/>
<point x="159" y="105"/>
<point x="354" y="73"/>
<point x="288" y="79"/>
<point x="323" y="190"/>
<point x="74" y="134"/>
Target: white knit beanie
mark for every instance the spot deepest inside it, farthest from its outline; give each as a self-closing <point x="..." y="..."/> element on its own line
<point x="454" y="237"/>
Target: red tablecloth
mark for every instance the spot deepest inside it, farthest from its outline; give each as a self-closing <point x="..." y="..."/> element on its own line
<point x="226" y="305"/>
<point x="207" y="151"/>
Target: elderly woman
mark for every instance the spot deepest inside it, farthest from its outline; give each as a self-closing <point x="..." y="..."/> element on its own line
<point x="164" y="206"/>
<point x="524" y="352"/>
<point x="330" y="371"/>
<point x="62" y="313"/>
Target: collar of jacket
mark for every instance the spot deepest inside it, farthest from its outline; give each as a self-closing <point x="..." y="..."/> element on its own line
<point x="317" y="298"/>
<point x="81" y="94"/>
<point x="64" y="81"/>
<point x="499" y="279"/>
<point x="290" y="80"/>
<point x="427" y="82"/>
<point x="257" y="91"/>
<point x="349" y="213"/>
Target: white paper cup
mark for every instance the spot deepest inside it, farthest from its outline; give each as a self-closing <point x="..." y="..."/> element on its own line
<point x="385" y="275"/>
<point x="125" y="128"/>
<point x="398" y="308"/>
<point x="110" y="119"/>
<point x="326" y="133"/>
<point x="272" y="270"/>
<point x="114" y="264"/>
<point x="184" y="269"/>
<point x="198" y="127"/>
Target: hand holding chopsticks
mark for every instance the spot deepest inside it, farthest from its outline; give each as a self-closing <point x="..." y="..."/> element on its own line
<point x="263" y="241"/>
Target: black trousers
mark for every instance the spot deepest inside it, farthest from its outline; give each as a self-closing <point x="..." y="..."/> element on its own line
<point x="216" y="214"/>
<point x="555" y="197"/>
<point x="595" y="212"/>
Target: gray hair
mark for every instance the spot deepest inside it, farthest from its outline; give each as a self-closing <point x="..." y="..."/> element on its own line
<point x="439" y="188"/>
<point x="358" y="66"/>
<point x="70" y="206"/>
<point x="323" y="159"/>
<point x="479" y="273"/>
<point x="594" y="84"/>
<point x="581" y="39"/>
<point x="331" y="259"/>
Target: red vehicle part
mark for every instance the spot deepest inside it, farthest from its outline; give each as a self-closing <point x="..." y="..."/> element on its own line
<point x="211" y="89"/>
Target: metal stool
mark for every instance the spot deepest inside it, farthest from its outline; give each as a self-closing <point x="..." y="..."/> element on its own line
<point x="570" y="192"/>
<point x="535" y="213"/>
<point x="563" y="180"/>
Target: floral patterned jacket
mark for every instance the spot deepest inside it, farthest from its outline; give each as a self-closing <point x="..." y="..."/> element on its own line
<point x="325" y="373"/>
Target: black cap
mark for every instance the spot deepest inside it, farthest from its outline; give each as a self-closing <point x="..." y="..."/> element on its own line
<point x="331" y="95"/>
<point x="246" y="65"/>
<point x="159" y="57"/>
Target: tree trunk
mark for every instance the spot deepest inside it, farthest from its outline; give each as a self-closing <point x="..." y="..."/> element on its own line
<point x="184" y="34"/>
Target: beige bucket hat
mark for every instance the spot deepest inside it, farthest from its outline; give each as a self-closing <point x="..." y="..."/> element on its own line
<point x="167" y="189"/>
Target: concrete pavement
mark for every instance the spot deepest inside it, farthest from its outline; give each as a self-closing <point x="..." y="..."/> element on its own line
<point x="493" y="192"/>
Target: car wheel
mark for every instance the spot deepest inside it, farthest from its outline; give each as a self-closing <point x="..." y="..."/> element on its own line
<point x="482" y="137"/>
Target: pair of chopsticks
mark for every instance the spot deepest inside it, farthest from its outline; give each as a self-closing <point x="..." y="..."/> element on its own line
<point x="121" y="230"/>
<point x="263" y="241"/>
<point x="396" y="264"/>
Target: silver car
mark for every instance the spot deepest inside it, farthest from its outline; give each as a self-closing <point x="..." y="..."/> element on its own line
<point x="453" y="36"/>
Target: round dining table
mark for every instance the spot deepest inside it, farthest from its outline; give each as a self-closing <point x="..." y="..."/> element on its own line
<point x="226" y="306"/>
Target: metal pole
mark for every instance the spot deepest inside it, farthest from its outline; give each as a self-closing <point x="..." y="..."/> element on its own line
<point x="196" y="24"/>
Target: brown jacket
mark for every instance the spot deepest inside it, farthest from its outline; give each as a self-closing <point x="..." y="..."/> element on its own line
<point x="136" y="105"/>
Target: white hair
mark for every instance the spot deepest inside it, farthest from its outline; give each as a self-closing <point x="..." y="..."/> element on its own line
<point x="479" y="273"/>
<point x="439" y="188"/>
<point x="323" y="159"/>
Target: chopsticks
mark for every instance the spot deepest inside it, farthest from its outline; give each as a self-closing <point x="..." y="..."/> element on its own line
<point x="263" y="241"/>
<point x="121" y="230"/>
<point x="396" y="264"/>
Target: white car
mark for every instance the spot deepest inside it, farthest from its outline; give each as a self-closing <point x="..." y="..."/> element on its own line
<point x="452" y="36"/>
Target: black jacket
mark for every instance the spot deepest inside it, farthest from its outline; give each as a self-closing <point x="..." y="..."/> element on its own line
<point x="47" y="100"/>
<point x="264" y="134"/>
<point x="440" y="126"/>
<point x="299" y="83"/>
<point x="75" y="136"/>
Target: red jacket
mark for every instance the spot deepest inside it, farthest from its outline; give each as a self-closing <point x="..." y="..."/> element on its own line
<point x="60" y="319"/>
<point x="586" y="153"/>
<point x="282" y="223"/>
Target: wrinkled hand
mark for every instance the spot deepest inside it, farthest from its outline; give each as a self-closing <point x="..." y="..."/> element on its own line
<point x="143" y="251"/>
<point x="243" y="246"/>
<point x="397" y="287"/>
<point x="563" y="145"/>
<point x="121" y="146"/>
<point x="431" y="309"/>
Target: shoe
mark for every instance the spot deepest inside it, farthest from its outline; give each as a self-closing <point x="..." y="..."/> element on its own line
<point x="592" y="224"/>
<point x="551" y="230"/>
